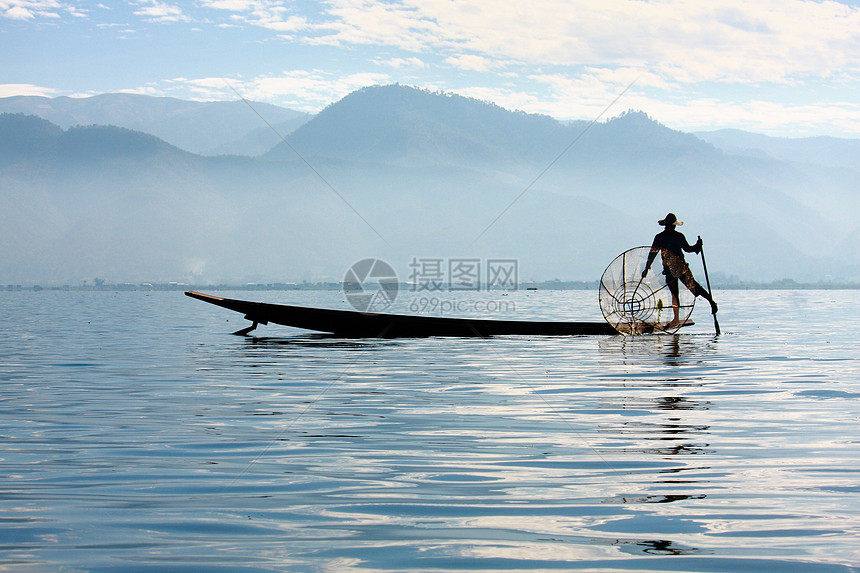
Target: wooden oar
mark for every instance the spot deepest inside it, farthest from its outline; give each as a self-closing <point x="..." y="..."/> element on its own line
<point x="708" y="282"/>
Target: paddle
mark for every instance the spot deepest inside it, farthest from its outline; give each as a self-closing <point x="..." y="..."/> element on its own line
<point x="708" y="282"/>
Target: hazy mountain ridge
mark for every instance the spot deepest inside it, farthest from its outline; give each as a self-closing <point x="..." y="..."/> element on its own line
<point x="160" y="213"/>
<point x="206" y="128"/>
<point x="429" y="173"/>
<point x="398" y="124"/>
<point x="823" y="151"/>
<point x="630" y="162"/>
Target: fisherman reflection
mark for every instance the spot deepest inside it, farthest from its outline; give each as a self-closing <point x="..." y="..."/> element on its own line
<point x="671" y="244"/>
<point x="656" y="546"/>
<point x="673" y="351"/>
<point x="663" y="547"/>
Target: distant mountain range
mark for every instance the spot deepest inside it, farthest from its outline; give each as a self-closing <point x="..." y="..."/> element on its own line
<point x="829" y="152"/>
<point x="402" y="173"/>
<point x="206" y="128"/>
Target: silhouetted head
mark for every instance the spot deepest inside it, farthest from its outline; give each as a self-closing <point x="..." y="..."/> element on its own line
<point x="670" y="220"/>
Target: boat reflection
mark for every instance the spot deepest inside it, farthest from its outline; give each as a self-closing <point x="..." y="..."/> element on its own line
<point x="320" y="341"/>
<point x="664" y="498"/>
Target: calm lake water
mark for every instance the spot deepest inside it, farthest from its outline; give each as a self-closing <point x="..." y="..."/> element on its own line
<point x="138" y="434"/>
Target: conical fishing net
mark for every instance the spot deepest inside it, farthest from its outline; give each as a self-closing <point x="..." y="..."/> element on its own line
<point x="634" y="304"/>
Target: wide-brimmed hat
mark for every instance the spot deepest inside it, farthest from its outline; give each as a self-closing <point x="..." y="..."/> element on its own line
<point x="670" y="219"/>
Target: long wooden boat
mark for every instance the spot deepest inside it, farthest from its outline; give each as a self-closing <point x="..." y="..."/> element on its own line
<point x="354" y="324"/>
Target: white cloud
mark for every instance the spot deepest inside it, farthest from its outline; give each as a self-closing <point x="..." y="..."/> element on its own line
<point x="267" y="14"/>
<point x="374" y="22"/>
<point x="572" y="99"/>
<point x="303" y="90"/>
<point x="146" y="90"/>
<point x="684" y="40"/>
<point x="403" y="63"/>
<point x="9" y="90"/>
<point x="308" y="90"/>
<point x="506" y="98"/>
<point x="470" y="62"/>
<point x="584" y="96"/>
<point x="696" y="63"/>
<point x="291" y="24"/>
<point x="155" y="11"/>
<point x="231" y="5"/>
<point x="18" y="13"/>
<point x="32" y="9"/>
<point x="762" y="116"/>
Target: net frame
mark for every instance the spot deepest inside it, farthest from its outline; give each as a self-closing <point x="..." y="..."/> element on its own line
<point x="633" y="304"/>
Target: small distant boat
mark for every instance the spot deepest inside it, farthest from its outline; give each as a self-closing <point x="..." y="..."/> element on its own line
<point x="355" y="324"/>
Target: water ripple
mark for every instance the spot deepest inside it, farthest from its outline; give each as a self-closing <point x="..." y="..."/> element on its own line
<point x="138" y="435"/>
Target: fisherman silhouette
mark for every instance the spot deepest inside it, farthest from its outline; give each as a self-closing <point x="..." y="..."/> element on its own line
<point x="671" y="244"/>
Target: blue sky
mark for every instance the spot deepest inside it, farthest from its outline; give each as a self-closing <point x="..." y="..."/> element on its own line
<point x="781" y="67"/>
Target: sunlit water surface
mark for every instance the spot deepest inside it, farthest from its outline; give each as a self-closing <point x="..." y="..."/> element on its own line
<point x="137" y="434"/>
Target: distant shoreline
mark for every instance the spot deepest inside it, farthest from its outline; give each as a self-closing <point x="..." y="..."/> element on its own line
<point x="783" y="284"/>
